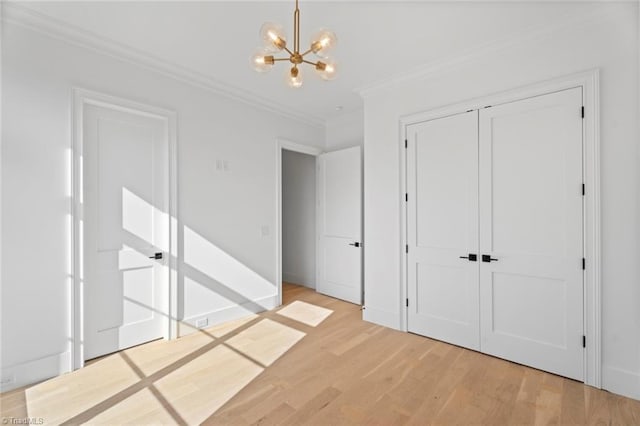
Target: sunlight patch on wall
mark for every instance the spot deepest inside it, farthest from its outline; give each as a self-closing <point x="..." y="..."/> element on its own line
<point x="203" y="255"/>
<point x="200" y="299"/>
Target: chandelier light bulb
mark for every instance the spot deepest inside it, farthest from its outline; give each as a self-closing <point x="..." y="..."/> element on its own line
<point x="323" y="42"/>
<point x="262" y="60"/>
<point x="326" y="69"/>
<point x="273" y="36"/>
<point x="294" y="78"/>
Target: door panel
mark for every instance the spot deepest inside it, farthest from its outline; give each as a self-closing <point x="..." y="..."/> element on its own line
<point x="531" y="222"/>
<point x="340" y="201"/>
<point x="442" y="219"/>
<point x="125" y="200"/>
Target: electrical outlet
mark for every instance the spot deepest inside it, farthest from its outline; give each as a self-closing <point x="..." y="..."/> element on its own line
<point x="264" y="230"/>
<point x="219" y="165"/>
<point x="202" y="322"/>
<point x="226" y="165"/>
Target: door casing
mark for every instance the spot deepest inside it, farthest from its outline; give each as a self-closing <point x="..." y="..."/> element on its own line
<point x="81" y="98"/>
<point x="589" y="82"/>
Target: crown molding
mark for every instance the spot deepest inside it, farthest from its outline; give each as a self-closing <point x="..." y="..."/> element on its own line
<point x="26" y="17"/>
<point x="470" y="55"/>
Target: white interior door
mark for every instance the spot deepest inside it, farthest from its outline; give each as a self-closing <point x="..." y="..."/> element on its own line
<point x="531" y="223"/>
<point x="442" y="229"/>
<point x="125" y="197"/>
<point x="340" y="225"/>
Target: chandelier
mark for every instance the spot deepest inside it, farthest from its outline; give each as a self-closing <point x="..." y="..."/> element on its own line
<point x="322" y="42"/>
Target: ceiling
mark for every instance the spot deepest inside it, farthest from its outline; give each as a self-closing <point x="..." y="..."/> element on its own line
<point x="376" y="40"/>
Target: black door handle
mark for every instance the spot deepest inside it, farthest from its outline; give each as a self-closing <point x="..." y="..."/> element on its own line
<point x="356" y="244"/>
<point x="488" y="258"/>
<point x="156" y="256"/>
<point x="472" y="257"/>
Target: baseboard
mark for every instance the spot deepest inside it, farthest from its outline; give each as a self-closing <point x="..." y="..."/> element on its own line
<point x="622" y="382"/>
<point x="380" y="317"/>
<point x="189" y="325"/>
<point x="29" y="372"/>
<point x="298" y="279"/>
<point x="292" y="278"/>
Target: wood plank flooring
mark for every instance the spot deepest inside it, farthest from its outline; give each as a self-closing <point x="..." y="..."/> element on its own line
<point x="313" y="361"/>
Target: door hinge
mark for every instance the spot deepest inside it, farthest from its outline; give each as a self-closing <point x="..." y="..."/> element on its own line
<point x="406" y="144"/>
<point x="406" y="248"/>
<point x="406" y="196"/>
<point x="406" y="302"/>
<point x="584" y="341"/>
<point x="582" y="112"/>
<point x="584" y="264"/>
<point x="583" y="189"/>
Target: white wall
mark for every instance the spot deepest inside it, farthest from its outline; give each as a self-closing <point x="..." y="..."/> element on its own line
<point x="226" y="265"/>
<point x="299" y="218"/>
<point x="608" y="40"/>
<point x="345" y="130"/>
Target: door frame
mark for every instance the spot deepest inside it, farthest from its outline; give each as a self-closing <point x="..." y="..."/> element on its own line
<point x="589" y="82"/>
<point x="281" y="145"/>
<point x="81" y="98"/>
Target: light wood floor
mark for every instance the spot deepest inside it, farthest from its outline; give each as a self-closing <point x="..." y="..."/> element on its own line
<point x="314" y="361"/>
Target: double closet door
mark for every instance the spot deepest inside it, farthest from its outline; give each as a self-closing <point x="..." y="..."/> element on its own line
<point x="495" y="231"/>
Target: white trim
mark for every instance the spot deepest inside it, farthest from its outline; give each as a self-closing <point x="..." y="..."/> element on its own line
<point x="188" y="326"/>
<point x="82" y="97"/>
<point x="35" y="370"/>
<point x="622" y="382"/>
<point x="26" y="17"/>
<point x="404" y="312"/>
<point x="439" y="66"/>
<point x="282" y="144"/>
<point x="588" y="80"/>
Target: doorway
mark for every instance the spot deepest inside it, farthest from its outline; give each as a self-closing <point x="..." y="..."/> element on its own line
<point x="299" y="218"/>
<point x="338" y="225"/>
<point x="294" y="179"/>
<point x="124" y="194"/>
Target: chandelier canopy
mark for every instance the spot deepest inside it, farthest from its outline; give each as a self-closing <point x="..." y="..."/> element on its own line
<point x="322" y="42"/>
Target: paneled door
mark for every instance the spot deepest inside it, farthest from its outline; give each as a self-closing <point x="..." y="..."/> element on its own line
<point x="442" y="231"/>
<point x="125" y="200"/>
<point x="531" y="232"/>
<point x="340" y="224"/>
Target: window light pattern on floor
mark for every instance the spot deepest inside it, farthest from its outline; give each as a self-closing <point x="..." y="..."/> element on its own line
<point x="305" y="313"/>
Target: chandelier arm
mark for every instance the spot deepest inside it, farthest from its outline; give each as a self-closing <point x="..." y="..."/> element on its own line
<point x="280" y="59"/>
<point x="307" y="52"/>
<point x="287" y="50"/>
<point x="309" y="62"/>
